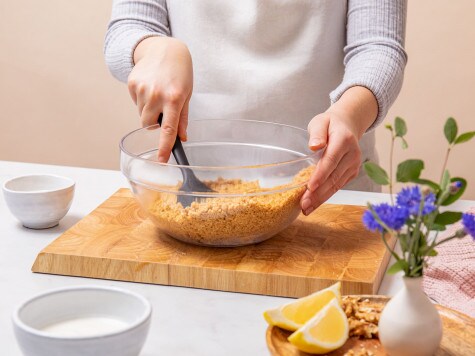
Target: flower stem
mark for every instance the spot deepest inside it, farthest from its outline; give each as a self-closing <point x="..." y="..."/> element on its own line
<point x="391" y="154"/>
<point x="415" y="236"/>
<point x="417" y="272"/>
<point x="446" y="239"/>
<point x="393" y="253"/>
<point x="445" y="162"/>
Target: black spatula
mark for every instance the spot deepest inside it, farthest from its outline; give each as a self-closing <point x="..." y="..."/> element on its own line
<point x="190" y="182"/>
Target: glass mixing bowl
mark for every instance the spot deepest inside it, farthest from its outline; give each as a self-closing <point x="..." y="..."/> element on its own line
<point x="258" y="171"/>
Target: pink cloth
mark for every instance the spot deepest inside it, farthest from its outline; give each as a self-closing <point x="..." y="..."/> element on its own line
<point x="450" y="277"/>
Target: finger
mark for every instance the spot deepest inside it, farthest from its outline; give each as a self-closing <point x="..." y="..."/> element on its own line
<point x="132" y="85"/>
<point x="149" y="114"/>
<point x="324" y="193"/>
<point x="350" y="161"/>
<point x="330" y="160"/>
<point x="331" y="189"/>
<point x="183" y="123"/>
<point x="141" y="102"/>
<point x="346" y="162"/>
<point x="318" y="132"/>
<point x="168" y="132"/>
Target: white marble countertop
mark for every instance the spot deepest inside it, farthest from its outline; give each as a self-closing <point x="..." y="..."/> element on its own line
<point x="185" y="321"/>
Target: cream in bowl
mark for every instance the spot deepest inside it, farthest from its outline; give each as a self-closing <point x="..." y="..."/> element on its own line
<point x="39" y="201"/>
<point x="84" y="320"/>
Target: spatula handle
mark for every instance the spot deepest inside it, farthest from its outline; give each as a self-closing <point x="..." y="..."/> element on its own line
<point x="177" y="150"/>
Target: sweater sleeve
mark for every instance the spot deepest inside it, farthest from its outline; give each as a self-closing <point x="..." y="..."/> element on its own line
<point x="131" y="22"/>
<point x="374" y="51"/>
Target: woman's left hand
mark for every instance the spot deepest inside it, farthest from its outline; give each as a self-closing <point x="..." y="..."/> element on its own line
<point x="338" y="131"/>
<point x="340" y="161"/>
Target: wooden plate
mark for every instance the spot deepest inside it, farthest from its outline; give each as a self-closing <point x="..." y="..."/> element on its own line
<point x="458" y="338"/>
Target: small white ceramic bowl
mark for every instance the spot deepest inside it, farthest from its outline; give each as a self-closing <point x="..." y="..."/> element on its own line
<point x="39" y="201"/>
<point x="83" y="321"/>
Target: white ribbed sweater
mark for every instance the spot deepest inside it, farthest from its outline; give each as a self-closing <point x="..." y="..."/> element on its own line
<point x="274" y="60"/>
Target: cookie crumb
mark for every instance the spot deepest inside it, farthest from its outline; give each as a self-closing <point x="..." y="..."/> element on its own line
<point x="230" y="220"/>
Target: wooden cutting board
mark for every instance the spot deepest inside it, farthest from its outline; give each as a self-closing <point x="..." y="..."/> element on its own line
<point x="116" y="241"/>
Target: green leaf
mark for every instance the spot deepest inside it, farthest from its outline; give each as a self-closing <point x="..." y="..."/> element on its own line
<point x="376" y="173"/>
<point x="454" y="197"/>
<point x="445" y="181"/>
<point x="400" y="265"/>
<point x="404" y="143"/>
<point x="467" y="136"/>
<point x="448" y="217"/>
<point x="433" y="185"/>
<point x="450" y="129"/>
<point x="437" y="227"/>
<point x="428" y="251"/>
<point x="432" y="253"/>
<point x="389" y="127"/>
<point x="409" y="170"/>
<point x="400" y="127"/>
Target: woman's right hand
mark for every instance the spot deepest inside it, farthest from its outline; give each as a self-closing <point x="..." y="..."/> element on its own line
<point x="162" y="82"/>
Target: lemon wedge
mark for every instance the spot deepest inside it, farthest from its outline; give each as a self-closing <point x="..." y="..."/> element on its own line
<point x="294" y="315"/>
<point x="325" y="332"/>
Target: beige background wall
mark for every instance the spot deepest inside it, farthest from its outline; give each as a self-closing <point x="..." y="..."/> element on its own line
<point x="439" y="82"/>
<point x="59" y="105"/>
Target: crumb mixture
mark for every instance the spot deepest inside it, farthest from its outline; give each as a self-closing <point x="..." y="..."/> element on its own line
<point x="231" y="220"/>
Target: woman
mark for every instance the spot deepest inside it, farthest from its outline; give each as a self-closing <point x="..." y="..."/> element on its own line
<point x="333" y="66"/>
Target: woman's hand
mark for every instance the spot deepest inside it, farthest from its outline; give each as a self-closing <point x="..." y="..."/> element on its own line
<point x="162" y="82"/>
<point x="338" y="130"/>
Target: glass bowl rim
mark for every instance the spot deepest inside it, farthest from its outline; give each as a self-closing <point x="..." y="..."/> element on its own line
<point x="207" y="195"/>
<point x="306" y="157"/>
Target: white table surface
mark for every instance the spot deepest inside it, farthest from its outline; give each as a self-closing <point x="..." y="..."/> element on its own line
<point x="185" y="321"/>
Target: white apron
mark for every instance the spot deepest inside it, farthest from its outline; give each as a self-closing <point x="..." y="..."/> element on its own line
<point x="265" y="60"/>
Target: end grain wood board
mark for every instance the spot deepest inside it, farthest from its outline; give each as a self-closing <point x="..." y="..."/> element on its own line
<point x="116" y="241"/>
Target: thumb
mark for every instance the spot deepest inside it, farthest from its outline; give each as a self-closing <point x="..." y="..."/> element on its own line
<point x="318" y="132"/>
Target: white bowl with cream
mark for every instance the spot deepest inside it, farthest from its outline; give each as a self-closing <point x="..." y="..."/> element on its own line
<point x="39" y="201"/>
<point x="83" y="321"/>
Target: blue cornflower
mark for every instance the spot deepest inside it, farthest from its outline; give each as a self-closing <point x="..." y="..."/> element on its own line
<point x="410" y="198"/>
<point x="468" y="221"/>
<point x="429" y="204"/>
<point x="370" y="222"/>
<point x="393" y="216"/>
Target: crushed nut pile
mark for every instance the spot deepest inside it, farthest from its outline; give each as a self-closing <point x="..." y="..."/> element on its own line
<point x="230" y="221"/>
<point x="360" y="352"/>
<point x="363" y="316"/>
